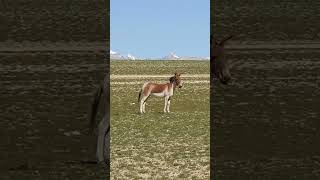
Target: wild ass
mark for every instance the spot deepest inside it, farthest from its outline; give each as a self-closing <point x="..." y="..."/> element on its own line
<point x="160" y="90"/>
<point x="219" y="65"/>
<point x="103" y="143"/>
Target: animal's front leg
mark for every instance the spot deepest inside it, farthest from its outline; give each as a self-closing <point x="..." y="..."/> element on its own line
<point x="168" y="105"/>
<point x="165" y="104"/>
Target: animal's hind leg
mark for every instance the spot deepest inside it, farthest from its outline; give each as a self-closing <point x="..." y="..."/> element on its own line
<point x="103" y="143"/>
<point x="144" y="107"/>
<point x="142" y="104"/>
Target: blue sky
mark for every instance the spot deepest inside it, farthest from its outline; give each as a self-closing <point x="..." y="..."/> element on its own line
<point x="154" y="28"/>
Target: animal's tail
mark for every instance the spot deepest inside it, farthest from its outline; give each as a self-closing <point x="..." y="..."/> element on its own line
<point x="139" y="95"/>
<point x="94" y="107"/>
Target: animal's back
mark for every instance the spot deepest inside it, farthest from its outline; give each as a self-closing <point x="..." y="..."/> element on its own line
<point x="154" y="88"/>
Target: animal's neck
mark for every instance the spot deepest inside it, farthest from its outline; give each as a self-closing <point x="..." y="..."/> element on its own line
<point x="174" y="85"/>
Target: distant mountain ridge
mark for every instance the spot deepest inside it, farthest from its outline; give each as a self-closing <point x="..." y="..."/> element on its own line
<point x="117" y="56"/>
<point x="171" y="56"/>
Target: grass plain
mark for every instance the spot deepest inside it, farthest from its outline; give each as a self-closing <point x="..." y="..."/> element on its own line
<point x="158" y="145"/>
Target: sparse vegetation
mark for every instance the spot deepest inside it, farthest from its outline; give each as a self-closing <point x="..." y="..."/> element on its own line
<point x="158" y="145"/>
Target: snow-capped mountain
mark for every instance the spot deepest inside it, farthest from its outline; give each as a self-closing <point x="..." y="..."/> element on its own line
<point x="117" y="56"/>
<point x="129" y="56"/>
<point x="172" y="56"/>
<point x="112" y="52"/>
<point x="194" y="58"/>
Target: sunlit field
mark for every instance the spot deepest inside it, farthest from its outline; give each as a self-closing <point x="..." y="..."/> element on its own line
<point x="158" y="145"/>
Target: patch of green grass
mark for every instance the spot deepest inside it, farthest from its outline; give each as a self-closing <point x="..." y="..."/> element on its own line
<point x="159" y="67"/>
<point x="159" y="145"/>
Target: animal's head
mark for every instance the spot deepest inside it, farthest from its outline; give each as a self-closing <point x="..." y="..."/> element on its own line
<point x="176" y="79"/>
<point x="220" y="65"/>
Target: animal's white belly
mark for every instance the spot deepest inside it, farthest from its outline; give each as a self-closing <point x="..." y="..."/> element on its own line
<point x="159" y="94"/>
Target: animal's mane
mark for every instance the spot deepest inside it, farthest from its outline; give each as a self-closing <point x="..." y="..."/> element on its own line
<point x="172" y="79"/>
